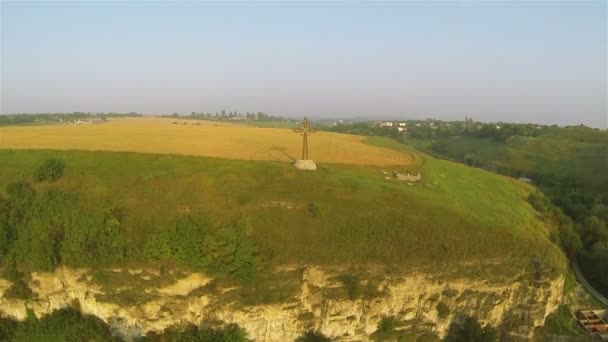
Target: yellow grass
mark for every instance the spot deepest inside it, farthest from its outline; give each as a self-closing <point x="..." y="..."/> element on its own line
<point x="213" y="139"/>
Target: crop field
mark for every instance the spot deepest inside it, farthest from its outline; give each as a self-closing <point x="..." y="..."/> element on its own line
<point x="200" y="138"/>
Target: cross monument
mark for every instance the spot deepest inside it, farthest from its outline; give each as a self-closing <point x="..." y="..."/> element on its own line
<point x="305" y="163"/>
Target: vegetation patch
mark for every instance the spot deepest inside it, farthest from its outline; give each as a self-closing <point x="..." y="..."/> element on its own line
<point x="443" y="310"/>
<point x="470" y="330"/>
<point x="313" y="336"/>
<point x="351" y="284"/>
<point x="562" y="322"/>
<point x="180" y="211"/>
<point x="50" y="170"/>
<point x="61" y="325"/>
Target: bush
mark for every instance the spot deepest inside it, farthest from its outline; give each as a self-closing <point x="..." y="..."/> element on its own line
<point x="314" y="209"/>
<point x="7" y="328"/>
<point x="40" y="231"/>
<point x="19" y="290"/>
<point x="443" y="310"/>
<point x="561" y="322"/>
<point x="227" y="251"/>
<point x="387" y="330"/>
<point x="313" y="336"/>
<point x="228" y="333"/>
<point x="351" y="283"/>
<point x="470" y="331"/>
<point x="538" y="201"/>
<point x="50" y="170"/>
<point x="62" y="325"/>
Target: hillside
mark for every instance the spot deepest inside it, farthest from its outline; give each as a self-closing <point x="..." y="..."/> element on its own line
<point x="566" y="163"/>
<point x="456" y="214"/>
<point x="259" y="229"/>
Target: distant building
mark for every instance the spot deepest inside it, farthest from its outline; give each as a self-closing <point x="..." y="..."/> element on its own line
<point x="238" y="118"/>
<point x="526" y="180"/>
<point x="402" y="124"/>
<point x="385" y="124"/>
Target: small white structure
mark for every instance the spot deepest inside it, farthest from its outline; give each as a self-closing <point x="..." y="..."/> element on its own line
<point x="407" y="177"/>
<point x="305" y="164"/>
<point x="385" y="124"/>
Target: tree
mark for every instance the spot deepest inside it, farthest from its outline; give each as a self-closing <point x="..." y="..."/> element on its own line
<point x="593" y="230"/>
<point x="593" y="263"/>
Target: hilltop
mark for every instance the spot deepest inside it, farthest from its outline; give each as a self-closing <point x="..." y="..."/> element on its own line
<point x="345" y="214"/>
<point x="260" y="229"/>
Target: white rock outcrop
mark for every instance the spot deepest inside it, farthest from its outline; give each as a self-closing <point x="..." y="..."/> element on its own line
<point x="307" y="165"/>
<point x="411" y="298"/>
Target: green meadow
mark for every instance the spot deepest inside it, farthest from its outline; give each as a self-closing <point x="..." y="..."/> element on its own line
<point x="457" y="219"/>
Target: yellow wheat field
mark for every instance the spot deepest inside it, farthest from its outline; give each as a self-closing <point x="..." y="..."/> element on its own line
<point x="208" y="138"/>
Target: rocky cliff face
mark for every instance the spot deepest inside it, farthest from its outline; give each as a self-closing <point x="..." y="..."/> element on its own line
<point x="414" y="299"/>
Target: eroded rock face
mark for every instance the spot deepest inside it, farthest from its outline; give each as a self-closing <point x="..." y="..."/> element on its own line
<point x="413" y="297"/>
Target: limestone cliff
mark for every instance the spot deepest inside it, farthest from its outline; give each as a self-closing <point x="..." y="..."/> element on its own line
<point x="414" y="299"/>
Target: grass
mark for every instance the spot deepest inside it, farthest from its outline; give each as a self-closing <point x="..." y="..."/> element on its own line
<point x="456" y="218"/>
<point x="560" y="323"/>
<point x="559" y="156"/>
<point x="197" y="137"/>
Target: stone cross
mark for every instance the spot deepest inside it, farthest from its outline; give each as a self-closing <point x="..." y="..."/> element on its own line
<point x="305" y="130"/>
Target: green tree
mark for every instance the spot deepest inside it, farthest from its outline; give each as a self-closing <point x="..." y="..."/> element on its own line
<point x="593" y="230"/>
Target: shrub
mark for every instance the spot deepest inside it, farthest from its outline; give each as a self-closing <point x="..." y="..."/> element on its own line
<point x="314" y="209"/>
<point x="227" y="251"/>
<point x="50" y="170"/>
<point x="313" y="336"/>
<point x="7" y="328"/>
<point x="387" y="329"/>
<point x="44" y="230"/>
<point x="351" y="283"/>
<point x="228" y="333"/>
<point x="443" y="310"/>
<point x="232" y="252"/>
<point x="19" y="290"/>
<point x="428" y="337"/>
<point x="63" y="325"/>
<point x="538" y="201"/>
<point x="561" y="322"/>
<point x="470" y="331"/>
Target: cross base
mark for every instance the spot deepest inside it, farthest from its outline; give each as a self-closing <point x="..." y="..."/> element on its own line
<point x="305" y="164"/>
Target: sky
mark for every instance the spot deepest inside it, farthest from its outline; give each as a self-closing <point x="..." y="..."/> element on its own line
<point x="543" y="62"/>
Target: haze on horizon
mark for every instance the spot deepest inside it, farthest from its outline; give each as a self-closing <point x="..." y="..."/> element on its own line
<point x="541" y="62"/>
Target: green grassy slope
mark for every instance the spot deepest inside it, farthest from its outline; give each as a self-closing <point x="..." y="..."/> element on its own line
<point x="549" y="156"/>
<point x="457" y="219"/>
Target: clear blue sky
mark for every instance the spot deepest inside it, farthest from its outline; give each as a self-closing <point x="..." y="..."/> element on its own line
<point x="511" y="61"/>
